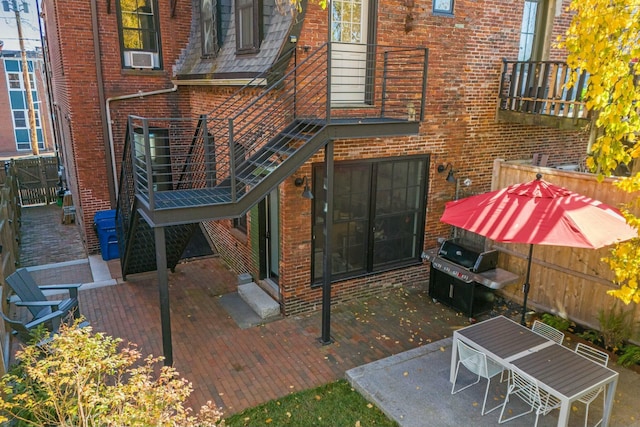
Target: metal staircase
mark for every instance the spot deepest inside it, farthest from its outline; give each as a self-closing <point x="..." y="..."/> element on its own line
<point x="177" y="172"/>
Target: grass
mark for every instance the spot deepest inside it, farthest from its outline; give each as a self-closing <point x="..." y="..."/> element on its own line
<point x="333" y="404"/>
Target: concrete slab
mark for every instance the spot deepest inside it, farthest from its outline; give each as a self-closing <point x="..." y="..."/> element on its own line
<point x="413" y="388"/>
<point x="259" y="300"/>
<point x="241" y="313"/>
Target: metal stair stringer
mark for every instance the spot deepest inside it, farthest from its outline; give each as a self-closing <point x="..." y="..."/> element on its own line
<point x="140" y="256"/>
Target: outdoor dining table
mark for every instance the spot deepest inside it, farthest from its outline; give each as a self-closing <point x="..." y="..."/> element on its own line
<point x="558" y="370"/>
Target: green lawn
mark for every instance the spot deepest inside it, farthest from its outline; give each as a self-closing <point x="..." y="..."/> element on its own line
<point x="333" y="404"/>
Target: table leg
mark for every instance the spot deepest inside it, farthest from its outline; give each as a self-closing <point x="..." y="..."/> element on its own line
<point x="563" y="418"/>
<point x="454" y="356"/>
<point x="610" y="392"/>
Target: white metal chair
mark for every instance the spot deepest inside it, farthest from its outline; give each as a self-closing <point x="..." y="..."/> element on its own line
<point x="547" y="331"/>
<point x="526" y="388"/>
<point x="479" y="364"/>
<point x="601" y="358"/>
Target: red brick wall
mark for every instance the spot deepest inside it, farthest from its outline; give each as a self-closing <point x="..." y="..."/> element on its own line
<point x="465" y="57"/>
<point x="73" y="60"/>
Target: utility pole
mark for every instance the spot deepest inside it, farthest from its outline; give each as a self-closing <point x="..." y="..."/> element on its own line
<point x="27" y="83"/>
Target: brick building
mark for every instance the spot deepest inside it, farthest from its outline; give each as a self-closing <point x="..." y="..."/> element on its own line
<point x="15" y="129"/>
<point x="222" y="114"/>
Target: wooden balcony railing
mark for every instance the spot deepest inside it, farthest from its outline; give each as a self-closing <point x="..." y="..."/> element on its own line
<point x="540" y="88"/>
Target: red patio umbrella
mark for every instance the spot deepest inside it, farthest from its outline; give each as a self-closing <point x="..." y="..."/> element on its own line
<point x="539" y="213"/>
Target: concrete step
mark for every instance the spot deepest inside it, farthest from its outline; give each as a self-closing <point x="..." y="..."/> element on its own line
<point x="258" y="300"/>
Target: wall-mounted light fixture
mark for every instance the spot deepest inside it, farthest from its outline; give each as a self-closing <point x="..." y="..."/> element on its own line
<point x="450" y="177"/>
<point x="306" y="193"/>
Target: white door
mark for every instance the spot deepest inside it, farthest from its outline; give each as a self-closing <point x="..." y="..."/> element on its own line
<point x="348" y="51"/>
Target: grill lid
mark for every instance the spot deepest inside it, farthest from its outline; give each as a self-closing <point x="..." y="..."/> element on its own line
<point x="469" y="258"/>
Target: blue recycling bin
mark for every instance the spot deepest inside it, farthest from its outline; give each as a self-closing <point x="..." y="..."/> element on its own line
<point x="104" y="223"/>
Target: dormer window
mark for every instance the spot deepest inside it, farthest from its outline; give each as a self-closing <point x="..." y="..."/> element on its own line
<point x="209" y="17"/>
<point x="248" y="26"/>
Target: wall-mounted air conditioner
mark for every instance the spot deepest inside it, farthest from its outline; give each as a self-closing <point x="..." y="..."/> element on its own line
<point x="141" y="59"/>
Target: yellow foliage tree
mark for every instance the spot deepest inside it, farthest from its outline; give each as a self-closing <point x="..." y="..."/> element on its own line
<point x="84" y="379"/>
<point x="604" y="40"/>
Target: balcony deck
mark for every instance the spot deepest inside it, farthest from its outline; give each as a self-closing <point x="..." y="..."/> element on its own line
<point x="538" y="93"/>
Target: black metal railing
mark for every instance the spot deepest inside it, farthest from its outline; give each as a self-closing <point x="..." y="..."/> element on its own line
<point x="540" y="87"/>
<point x="260" y="127"/>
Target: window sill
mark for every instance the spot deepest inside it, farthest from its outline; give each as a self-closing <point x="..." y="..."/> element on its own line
<point x="408" y="264"/>
<point x="443" y="14"/>
<point x="137" y="72"/>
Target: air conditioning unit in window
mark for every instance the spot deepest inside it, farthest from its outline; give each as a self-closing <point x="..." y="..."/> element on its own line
<point x="141" y="59"/>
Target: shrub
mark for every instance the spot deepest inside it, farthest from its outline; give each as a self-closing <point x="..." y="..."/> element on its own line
<point x="560" y="323"/>
<point x="593" y="336"/>
<point x="630" y="355"/>
<point x="616" y="327"/>
<point x="80" y="378"/>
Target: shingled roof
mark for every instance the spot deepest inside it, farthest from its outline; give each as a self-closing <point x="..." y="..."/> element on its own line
<point x="226" y="64"/>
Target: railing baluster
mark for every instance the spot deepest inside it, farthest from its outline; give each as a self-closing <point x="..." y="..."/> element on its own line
<point x="423" y="98"/>
<point x="384" y="82"/>
<point x="232" y="162"/>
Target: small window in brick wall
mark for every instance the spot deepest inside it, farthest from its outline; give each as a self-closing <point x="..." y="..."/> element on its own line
<point x="139" y="33"/>
<point x="444" y="7"/>
<point x="240" y="223"/>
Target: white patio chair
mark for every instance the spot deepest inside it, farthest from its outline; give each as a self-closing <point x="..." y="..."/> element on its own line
<point x="479" y="364"/>
<point x="526" y="388"/>
<point x="601" y="358"/>
<point x="547" y="331"/>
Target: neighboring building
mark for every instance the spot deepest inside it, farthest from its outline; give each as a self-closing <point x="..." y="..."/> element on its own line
<point x="361" y="101"/>
<point x="15" y="130"/>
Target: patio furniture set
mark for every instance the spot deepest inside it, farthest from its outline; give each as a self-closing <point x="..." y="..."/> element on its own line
<point x="540" y="371"/>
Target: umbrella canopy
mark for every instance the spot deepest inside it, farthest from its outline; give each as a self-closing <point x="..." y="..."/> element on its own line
<point x="541" y="213"/>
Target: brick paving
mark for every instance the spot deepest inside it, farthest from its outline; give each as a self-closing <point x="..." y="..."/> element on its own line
<point x="45" y="240"/>
<point x="240" y="368"/>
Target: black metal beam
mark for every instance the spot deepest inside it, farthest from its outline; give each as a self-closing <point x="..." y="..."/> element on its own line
<point x="163" y="287"/>
<point x="326" y="254"/>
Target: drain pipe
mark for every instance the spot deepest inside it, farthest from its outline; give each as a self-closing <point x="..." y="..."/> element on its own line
<point x="139" y="94"/>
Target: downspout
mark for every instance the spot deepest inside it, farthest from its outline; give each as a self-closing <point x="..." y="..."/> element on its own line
<point x="139" y="94"/>
<point x="100" y="80"/>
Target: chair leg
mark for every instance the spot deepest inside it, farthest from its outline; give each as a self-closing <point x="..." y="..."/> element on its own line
<point x="486" y="393"/>
<point x="586" y="412"/>
<point x="455" y="380"/>
<point x="504" y="406"/>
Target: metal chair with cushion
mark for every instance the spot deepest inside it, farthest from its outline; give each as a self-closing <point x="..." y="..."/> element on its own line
<point x="32" y="297"/>
<point x="479" y="364"/>
<point x="547" y="331"/>
<point x="526" y="388"/>
<point x="601" y="358"/>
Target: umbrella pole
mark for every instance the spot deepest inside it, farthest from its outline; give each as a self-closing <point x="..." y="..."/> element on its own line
<point x="525" y="287"/>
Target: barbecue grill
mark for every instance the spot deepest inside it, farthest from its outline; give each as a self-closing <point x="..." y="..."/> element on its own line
<point x="464" y="277"/>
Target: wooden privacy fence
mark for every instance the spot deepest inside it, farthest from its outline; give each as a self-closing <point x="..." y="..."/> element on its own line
<point x="9" y="233"/>
<point x="569" y="281"/>
<point x="37" y="179"/>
